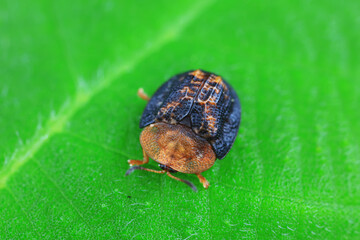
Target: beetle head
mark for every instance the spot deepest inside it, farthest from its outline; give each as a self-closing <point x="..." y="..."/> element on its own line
<point x="178" y="147"/>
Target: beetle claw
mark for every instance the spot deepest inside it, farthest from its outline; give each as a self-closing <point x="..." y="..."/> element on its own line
<point x="203" y="180"/>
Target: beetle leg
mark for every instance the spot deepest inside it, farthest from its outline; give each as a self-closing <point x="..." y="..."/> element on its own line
<point x="143" y="95"/>
<point x="190" y="184"/>
<point x="139" y="162"/>
<point x="203" y="180"/>
<point x="142" y="168"/>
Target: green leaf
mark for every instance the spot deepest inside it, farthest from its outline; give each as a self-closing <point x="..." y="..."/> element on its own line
<point x="69" y="119"/>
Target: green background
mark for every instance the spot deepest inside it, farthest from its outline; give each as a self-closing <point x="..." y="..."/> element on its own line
<point x="69" y="115"/>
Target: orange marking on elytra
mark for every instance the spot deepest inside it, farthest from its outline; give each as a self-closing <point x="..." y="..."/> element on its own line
<point x="198" y="74"/>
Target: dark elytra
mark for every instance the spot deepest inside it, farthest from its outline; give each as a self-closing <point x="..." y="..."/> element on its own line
<point x="200" y="100"/>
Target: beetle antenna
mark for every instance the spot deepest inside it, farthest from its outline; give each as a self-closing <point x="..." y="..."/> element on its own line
<point x="142" y="168"/>
<point x="190" y="184"/>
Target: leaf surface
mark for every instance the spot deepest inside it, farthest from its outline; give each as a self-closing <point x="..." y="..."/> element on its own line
<point x="69" y="119"/>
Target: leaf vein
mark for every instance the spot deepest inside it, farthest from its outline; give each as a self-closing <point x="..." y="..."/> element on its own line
<point x="23" y="211"/>
<point x="64" y="196"/>
<point x="104" y="146"/>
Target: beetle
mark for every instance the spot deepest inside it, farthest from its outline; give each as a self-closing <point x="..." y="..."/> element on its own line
<point x="190" y="121"/>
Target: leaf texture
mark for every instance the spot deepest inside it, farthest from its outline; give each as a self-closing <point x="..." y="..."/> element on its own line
<point x="69" y="119"/>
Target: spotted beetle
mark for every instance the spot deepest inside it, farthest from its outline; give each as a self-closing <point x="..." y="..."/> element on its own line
<point x="190" y="121"/>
